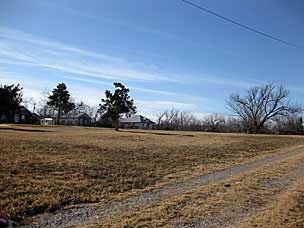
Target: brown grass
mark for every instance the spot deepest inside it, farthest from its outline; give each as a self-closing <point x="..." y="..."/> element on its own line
<point x="248" y="194"/>
<point x="286" y="211"/>
<point x="43" y="169"/>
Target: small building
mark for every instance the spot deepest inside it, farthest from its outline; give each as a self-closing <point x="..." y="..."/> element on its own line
<point x="46" y="122"/>
<point x="21" y="116"/>
<point x="80" y="119"/>
<point x="137" y="122"/>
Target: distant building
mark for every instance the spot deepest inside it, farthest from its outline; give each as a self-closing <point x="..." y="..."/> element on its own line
<point x="47" y="122"/>
<point x="137" y="122"/>
<point x="81" y="119"/>
<point x="21" y="116"/>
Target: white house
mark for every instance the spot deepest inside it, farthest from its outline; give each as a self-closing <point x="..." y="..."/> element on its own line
<point x="79" y="119"/>
<point x="137" y="121"/>
<point x="46" y="121"/>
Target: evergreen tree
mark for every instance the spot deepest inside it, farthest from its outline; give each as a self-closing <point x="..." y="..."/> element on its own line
<point x="60" y="100"/>
<point x="10" y="99"/>
<point x="117" y="103"/>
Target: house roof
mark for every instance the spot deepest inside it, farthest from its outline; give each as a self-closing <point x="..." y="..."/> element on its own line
<point x="24" y="111"/>
<point x="74" y="116"/>
<point x="47" y="119"/>
<point x="36" y="115"/>
<point x="136" y="119"/>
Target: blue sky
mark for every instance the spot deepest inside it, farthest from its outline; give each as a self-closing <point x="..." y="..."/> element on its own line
<point x="169" y="54"/>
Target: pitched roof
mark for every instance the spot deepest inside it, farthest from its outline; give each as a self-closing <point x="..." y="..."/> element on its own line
<point x="24" y="111"/>
<point x="136" y="119"/>
<point x="47" y="118"/>
<point x="35" y="115"/>
<point x="74" y="116"/>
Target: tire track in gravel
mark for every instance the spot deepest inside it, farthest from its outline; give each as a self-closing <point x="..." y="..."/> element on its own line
<point x="81" y="215"/>
<point x="232" y="215"/>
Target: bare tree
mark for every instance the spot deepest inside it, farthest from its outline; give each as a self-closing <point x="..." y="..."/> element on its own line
<point x="260" y="104"/>
<point x="30" y="103"/>
<point x="291" y="124"/>
<point x="214" y="122"/>
<point x="187" y="121"/>
<point x="168" y="120"/>
<point x="159" y="119"/>
<point x="171" y="120"/>
<point x="43" y="109"/>
<point x="82" y="107"/>
<point x="233" y="124"/>
<point x="176" y="120"/>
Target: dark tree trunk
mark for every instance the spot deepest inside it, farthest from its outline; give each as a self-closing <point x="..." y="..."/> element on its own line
<point x="257" y="128"/>
<point x="58" y="115"/>
<point x="116" y="123"/>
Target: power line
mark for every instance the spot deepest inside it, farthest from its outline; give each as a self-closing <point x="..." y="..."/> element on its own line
<point x="241" y="25"/>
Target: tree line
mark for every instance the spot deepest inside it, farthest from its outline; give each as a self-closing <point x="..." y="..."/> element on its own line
<point x="262" y="109"/>
<point x="59" y="102"/>
<point x="178" y="120"/>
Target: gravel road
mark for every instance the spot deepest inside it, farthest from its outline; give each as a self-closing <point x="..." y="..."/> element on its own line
<point x="231" y="216"/>
<point x="81" y="215"/>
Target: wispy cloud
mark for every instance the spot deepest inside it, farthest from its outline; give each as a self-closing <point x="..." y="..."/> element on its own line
<point x="159" y="105"/>
<point x="225" y="81"/>
<point x="179" y="96"/>
<point x="20" y="48"/>
<point x="26" y="55"/>
<point x="30" y="89"/>
<point x="34" y="90"/>
<point x="52" y="46"/>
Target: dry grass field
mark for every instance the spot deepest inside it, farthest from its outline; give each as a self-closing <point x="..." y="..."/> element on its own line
<point x="269" y="196"/>
<point x="286" y="210"/>
<point x="44" y="169"/>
